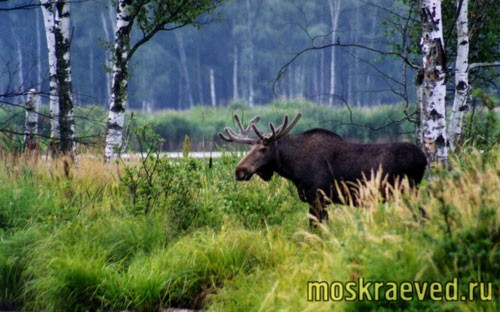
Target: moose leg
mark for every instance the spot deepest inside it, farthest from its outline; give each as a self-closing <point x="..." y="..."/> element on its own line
<point x="314" y="216"/>
<point x="317" y="208"/>
<point x="318" y="214"/>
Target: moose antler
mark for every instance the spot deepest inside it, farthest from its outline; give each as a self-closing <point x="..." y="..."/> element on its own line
<point x="244" y="135"/>
<point x="276" y="133"/>
<point x="265" y="138"/>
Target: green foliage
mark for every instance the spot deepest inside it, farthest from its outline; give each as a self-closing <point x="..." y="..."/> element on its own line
<point x="201" y="124"/>
<point x="482" y="130"/>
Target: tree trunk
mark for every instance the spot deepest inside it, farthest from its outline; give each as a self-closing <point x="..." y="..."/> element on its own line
<point x="434" y="84"/>
<point x="64" y="83"/>
<point x="199" y="76"/>
<point x="20" y="60"/>
<point x="31" y="123"/>
<point x="108" y="30"/>
<point x="353" y="71"/>
<point x="48" y="20"/>
<point x="184" y="68"/>
<point x="39" y="74"/>
<point x="116" y="117"/>
<point x="334" y="16"/>
<point x="419" y="93"/>
<point x="212" y="88"/>
<point x="321" y="81"/>
<point x="251" y="54"/>
<point x="235" y="73"/>
<point x="460" y="101"/>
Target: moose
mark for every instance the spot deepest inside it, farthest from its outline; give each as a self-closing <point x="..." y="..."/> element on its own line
<point x="318" y="160"/>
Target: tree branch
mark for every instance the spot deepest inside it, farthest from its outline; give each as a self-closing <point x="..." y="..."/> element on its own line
<point x="285" y="67"/>
<point x="485" y="64"/>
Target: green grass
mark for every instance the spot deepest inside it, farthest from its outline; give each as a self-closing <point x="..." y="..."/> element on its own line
<point x="83" y="239"/>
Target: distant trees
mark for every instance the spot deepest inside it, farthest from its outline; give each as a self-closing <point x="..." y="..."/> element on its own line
<point x="150" y="17"/>
<point x="244" y="49"/>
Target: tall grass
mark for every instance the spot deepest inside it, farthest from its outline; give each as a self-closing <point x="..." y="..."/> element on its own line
<point x="385" y="242"/>
<point x="77" y="237"/>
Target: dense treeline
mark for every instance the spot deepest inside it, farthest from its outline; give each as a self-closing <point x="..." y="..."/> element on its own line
<point x="201" y="124"/>
<point x="244" y="48"/>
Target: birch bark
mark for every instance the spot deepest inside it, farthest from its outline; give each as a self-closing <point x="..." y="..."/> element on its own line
<point x="251" y="53"/>
<point x="212" y="88"/>
<point x="63" y="73"/>
<point x="235" y="73"/>
<point x="460" y="100"/>
<point x="48" y="21"/>
<point x="334" y="16"/>
<point x="31" y="122"/>
<point x="419" y="93"/>
<point x="434" y="84"/>
<point x="108" y="34"/>
<point x="118" y="102"/>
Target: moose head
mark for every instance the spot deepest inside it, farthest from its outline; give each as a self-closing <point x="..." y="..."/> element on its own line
<point x="261" y="154"/>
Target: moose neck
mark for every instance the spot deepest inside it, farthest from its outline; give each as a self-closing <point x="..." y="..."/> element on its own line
<point x="285" y="151"/>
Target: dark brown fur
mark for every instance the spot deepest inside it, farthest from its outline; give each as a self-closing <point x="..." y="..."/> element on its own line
<point x="317" y="159"/>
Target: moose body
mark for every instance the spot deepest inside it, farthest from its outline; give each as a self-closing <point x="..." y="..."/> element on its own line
<point x="318" y="160"/>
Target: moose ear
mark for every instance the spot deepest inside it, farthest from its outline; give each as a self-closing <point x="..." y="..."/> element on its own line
<point x="266" y="173"/>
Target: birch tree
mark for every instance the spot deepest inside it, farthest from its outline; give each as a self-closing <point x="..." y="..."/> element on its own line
<point x="334" y="16"/>
<point x="151" y="17"/>
<point x="250" y="68"/>
<point x="434" y="83"/>
<point x="57" y="31"/>
<point x="116" y="117"/>
<point x="48" y="21"/>
<point x="31" y="122"/>
<point x="461" y="76"/>
<point x="184" y="69"/>
<point x="64" y="82"/>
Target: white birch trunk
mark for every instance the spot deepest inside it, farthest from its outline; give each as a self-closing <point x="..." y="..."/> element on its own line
<point x="108" y="29"/>
<point x="31" y="122"/>
<point x="235" y="74"/>
<point x="251" y="55"/>
<point x="39" y="48"/>
<point x="212" y="88"/>
<point x="321" y="76"/>
<point x="434" y="84"/>
<point x="184" y="67"/>
<point x="20" y="62"/>
<point x="118" y="102"/>
<point x="419" y="93"/>
<point x="460" y="101"/>
<point x="334" y="16"/>
<point x="48" y="20"/>
<point x="64" y="82"/>
<point x="354" y="68"/>
<point x="199" y="77"/>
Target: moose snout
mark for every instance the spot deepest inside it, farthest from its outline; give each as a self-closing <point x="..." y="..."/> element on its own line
<point x="243" y="173"/>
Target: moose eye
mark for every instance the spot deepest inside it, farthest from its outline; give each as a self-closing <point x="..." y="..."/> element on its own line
<point x="263" y="149"/>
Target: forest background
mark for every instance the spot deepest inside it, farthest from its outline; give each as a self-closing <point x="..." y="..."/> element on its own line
<point x="244" y="46"/>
